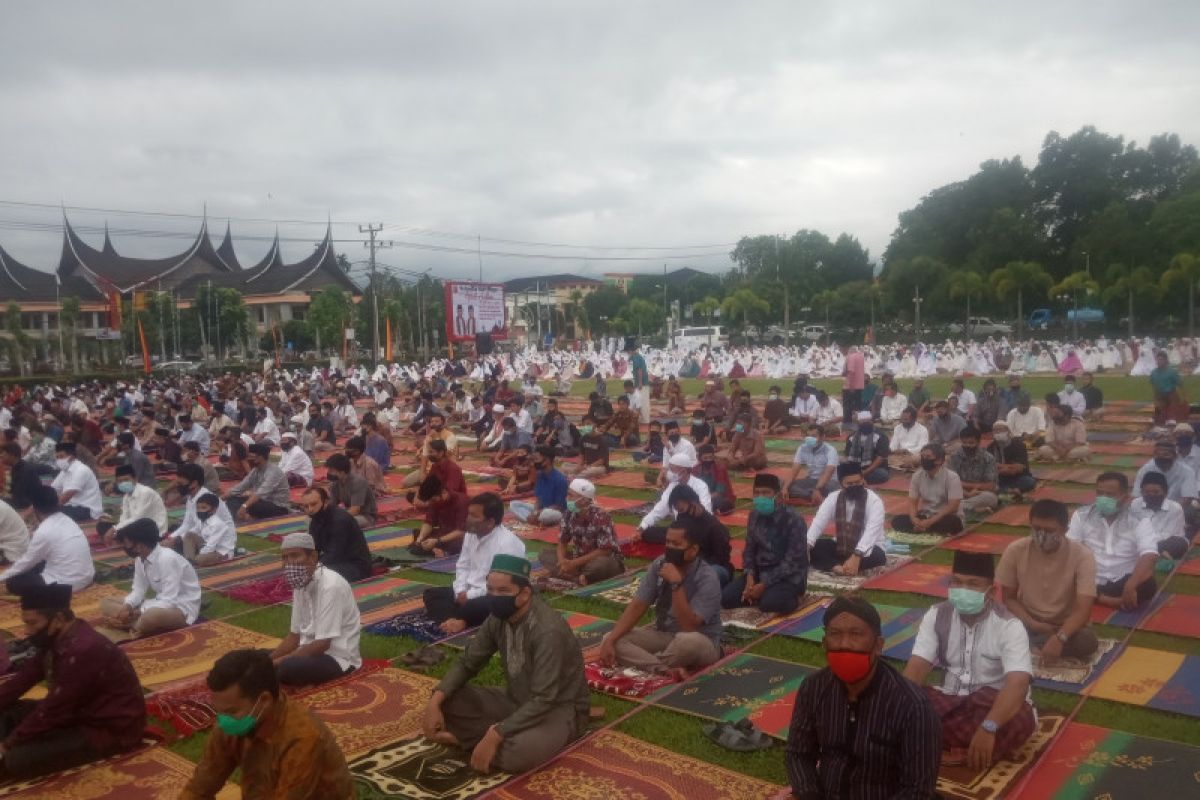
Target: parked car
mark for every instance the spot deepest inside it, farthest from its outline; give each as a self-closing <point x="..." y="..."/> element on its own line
<point x="177" y="366"/>
<point x="814" y="332"/>
<point x="982" y="326"/>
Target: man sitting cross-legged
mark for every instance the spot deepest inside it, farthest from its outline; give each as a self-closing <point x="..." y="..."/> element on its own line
<point x="137" y="502"/>
<point x="686" y="595"/>
<point x="1049" y="583"/>
<point x="176" y="588"/>
<point x="445" y="522"/>
<point x="857" y="514"/>
<point x="1123" y="543"/>
<point x="984" y="701"/>
<point x="776" y="555"/>
<point x="935" y="497"/>
<point x="544" y="703"/>
<point x="282" y="748"/>
<point x="264" y="492"/>
<point x="323" y="642"/>
<point x="94" y="705"/>
<point x="1165" y="515"/>
<point x="465" y="603"/>
<point x="340" y="542"/>
<point x="587" y="550"/>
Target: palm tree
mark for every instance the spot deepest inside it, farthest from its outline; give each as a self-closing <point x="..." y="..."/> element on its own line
<point x="579" y="315"/>
<point x="707" y="307"/>
<point x="1017" y="278"/>
<point x="744" y="302"/>
<point x="68" y="321"/>
<point x="966" y="284"/>
<point x="1185" y="267"/>
<point x="1072" y="285"/>
<point x="1124" y="282"/>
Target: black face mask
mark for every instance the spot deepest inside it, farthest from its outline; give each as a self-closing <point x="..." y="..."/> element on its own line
<point x="855" y="492"/>
<point x="674" y="437"/>
<point x="970" y="451"/>
<point x="502" y="606"/>
<point x="129" y="551"/>
<point x="673" y="555"/>
<point x="1153" y="503"/>
<point x="1164" y="464"/>
<point x="43" y="639"/>
<point x="928" y="464"/>
<point x="203" y="515"/>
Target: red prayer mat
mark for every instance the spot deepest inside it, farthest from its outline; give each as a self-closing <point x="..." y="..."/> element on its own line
<point x="366" y="712"/>
<point x="1178" y="615"/>
<point x="146" y="775"/>
<point x="170" y="657"/>
<point x="930" y="579"/>
<point x="978" y="542"/>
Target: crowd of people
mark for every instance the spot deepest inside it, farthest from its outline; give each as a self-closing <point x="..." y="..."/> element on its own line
<point x="231" y="450"/>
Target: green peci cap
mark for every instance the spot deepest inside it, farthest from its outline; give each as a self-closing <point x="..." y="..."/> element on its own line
<point x="511" y="565"/>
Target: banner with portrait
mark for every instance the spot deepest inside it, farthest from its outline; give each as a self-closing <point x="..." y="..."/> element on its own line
<point x="473" y="308"/>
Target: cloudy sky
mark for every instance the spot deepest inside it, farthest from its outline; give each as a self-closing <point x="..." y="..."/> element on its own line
<point x="613" y="127"/>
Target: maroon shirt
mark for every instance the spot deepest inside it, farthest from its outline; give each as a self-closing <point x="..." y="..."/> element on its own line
<point x="450" y="474"/>
<point x="450" y="515"/>
<point x="92" y="686"/>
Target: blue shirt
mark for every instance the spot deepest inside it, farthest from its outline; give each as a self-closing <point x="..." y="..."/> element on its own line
<point x="816" y="458"/>
<point x="550" y="489"/>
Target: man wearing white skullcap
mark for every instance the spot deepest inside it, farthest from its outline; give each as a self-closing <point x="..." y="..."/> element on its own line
<point x="587" y="550"/>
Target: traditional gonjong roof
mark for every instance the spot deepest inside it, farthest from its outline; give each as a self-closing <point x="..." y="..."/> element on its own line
<point x="24" y="284"/>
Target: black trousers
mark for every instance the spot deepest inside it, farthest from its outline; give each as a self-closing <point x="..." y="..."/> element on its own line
<point x="309" y="670"/>
<point x="1145" y="590"/>
<point x="19" y="584"/>
<point x="77" y="513"/>
<point x="54" y="750"/>
<point x="655" y="535"/>
<point x="948" y="525"/>
<point x="349" y="570"/>
<point x="781" y="597"/>
<point x="259" y="509"/>
<point x="441" y="605"/>
<point x="851" y="404"/>
<point x="824" y="556"/>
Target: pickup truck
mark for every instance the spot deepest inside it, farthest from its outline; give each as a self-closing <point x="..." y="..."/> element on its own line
<point x="982" y="326"/>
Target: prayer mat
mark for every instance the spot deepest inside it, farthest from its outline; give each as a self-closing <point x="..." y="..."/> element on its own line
<point x="591" y="590"/>
<point x="1070" y="674"/>
<point x="444" y="566"/>
<point x="746" y="686"/>
<point x="626" y="682"/>
<point x="264" y="592"/>
<point x="146" y="775"/>
<point x="1121" y="448"/>
<point x="1090" y="762"/>
<point x="1103" y="615"/>
<point x="1119" y="462"/>
<point x="538" y="533"/>
<point x="366" y="712"/>
<point x="1014" y="515"/>
<point x="746" y="617"/>
<point x="239" y="570"/>
<point x="617" y="503"/>
<point x="978" y="542"/>
<point x="916" y="538"/>
<point x="1178" y="615"/>
<point x="1154" y="678"/>
<point x="621" y="595"/>
<point x="894" y="504"/>
<point x="276" y="526"/>
<point x="1190" y="564"/>
<point x="739" y="517"/>
<point x="422" y="770"/>
<point x="831" y="582"/>
<point x="1071" y="495"/>
<point x="413" y="624"/>
<point x="382" y="598"/>
<point x="644" y="550"/>
<point x="919" y="577"/>
<point x="169" y="657"/>
<point x="997" y="781"/>
<point x="1095" y="435"/>
<point x="85" y="603"/>
<point x="627" y="479"/>
<point x="900" y="624"/>
<point x="624" y="531"/>
<point x="612" y="765"/>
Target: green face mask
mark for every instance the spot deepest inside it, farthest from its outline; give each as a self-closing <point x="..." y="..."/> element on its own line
<point x="572" y="506"/>
<point x="1107" y="506"/>
<point x="238" y="726"/>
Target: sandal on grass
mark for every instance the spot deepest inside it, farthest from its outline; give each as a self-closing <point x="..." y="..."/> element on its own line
<point x="427" y="656"/>
<point x="740" y="737"/>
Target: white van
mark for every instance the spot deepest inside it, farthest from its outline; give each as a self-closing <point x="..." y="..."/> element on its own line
<point x="691" y="338"/>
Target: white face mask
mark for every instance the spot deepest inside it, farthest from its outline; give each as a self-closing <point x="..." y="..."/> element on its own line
<point x="62" y="463"/>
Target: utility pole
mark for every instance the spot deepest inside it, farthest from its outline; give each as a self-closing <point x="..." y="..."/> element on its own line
<point x="372" y="244"/>
<point x="917" y="314"/>
<point x="787" y="332"/>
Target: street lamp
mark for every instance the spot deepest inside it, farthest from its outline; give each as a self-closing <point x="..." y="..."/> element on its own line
<point x="1074" y="311"/>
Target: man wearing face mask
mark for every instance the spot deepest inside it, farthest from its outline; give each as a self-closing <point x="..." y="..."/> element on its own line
<point x="747" y="449"/>
<point x="94" y="706"/>
<point x="1027" y="421"/>
<point x="984" y="701"/>
<point x="907" y="440"/>
<point x="130" y="454"/>
<point x="191" y="432"/>
<point x="1092" y="396"/>
<point x="674" y="442"/>
<point x="549" y="492"/>
<point x="280" y="746"/>
<point x="945" y="427"/>
<point x="58" y="550"/>
<point x="1124" y="545"/>
<point x="1071" y="399"/>
<point x="176" y="588"/>
<point x="1066" y="438"/>
<point x="776" y="555"/>
<point x="295" y="464"/>
<point x="1012" y="462"/>
<point x="445" y="518"/>
<point x="465" y="603"/>
<point x="264" y="492"/>
<point x="1049" y="583"/>
<point x="716" y="477"/>
<point x="78" y="490"/>
<point x="137" y="502"/>
<point x="775" y="412"/>
<point x="1185" y="441"/>
<point x="934" y="497"/>
<point x="191" y="455"/>
<point x="593" y="453"/>
<point x="323" y="642"/>
<point x="858" y="722"/>
<point x="710" y="531"/>
<point x="869" y="448"/>
<point x="587" y="550"/>
<point x="679" y="472"/>
<point x="1165" y="515"/>
<point x="545" y="701"/>
<point x="339" y="540"/>
<point x="1181" y="480"/>
<point x="686" y="595"/>
<point x="976" y="470"/>
<point x="857" y="515"/>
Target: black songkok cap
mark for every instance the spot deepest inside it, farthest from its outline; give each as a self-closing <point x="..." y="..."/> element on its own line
<point x="848" y="468"/>
<point x="51" y="597"/>
<point x="855" y="606"/>
<point x="980" y="565"/>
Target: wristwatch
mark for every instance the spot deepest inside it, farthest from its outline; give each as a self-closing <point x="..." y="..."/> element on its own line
<point x="675" y="586"/>
<point x="990" y="726"/>
<point x="1062" y="637"/>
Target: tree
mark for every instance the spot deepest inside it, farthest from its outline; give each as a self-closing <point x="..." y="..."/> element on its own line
<point x="1015" y="279"/>
<point x="639" y="315"/>
<point x="1073" y="285"/>
<point x="706" y="307"/>
<point x="604" y="304"/>
<point x="1184" y="269"/>
<point x="744" y="303"/>
<point x="1123" y="283"/>
<point x="965" y="285"/>
<point x="68" y="320"/>
<point x="329" y="313"/>
<point x="18" y="340"/>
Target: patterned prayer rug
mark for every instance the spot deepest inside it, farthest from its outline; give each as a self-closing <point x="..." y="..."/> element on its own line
<point x="1090" y="762"/>
<point x="421" y="770"/>
<point x="1178" y="615"/>
<point x="595" y="589"/>
<point x="615" y="765"/>
<point x="188" y="652"/>
<point x="1104" y="615"/>
<point x="366" y="712"/>
<point x="915" y="538"/>
<point x="1155" y="678"/>
<point x="1071" y="674"/>
<point x="1001" y="777"/>
<point x="828" y="581"/>
<point x="239" y="570"/>
<point x="980" y="542"/>
<point x="627" y="682"/>
<point x="621" y="595"/>
<point x="900" y="625"/>
<point x="85" y="603"/>
<point x="1016" y="516"/>
<point x="146" y="775"/>
<point x="919" y="577"/>
<point x="413" y="624"/>
<point x="746" y="686"/>
<point x="623" y="504"/>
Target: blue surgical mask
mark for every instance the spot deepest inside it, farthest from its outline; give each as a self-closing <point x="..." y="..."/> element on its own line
<point x="125" y="487"/>
<point x="572" y="506"/>
<point x="810" y="441"/>
<point x="764" y="505"/>
<point x="967" y="601"/>
<point x="1107" y="506"/>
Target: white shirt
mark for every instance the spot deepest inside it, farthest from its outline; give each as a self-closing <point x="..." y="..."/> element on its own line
<point x="325" y="609"/>
<point x="79" y="478"/>
<point x="59" y="542"/>
<point x="143" y="502"/>
<point x="173" y="580"/>
<point x="1166" y="521"/>
<point x="662" y="509"/>
<point x="349" y="415"/>
<point x="1118" y="546"/>
<point x="909" y="440"/>
<point x="297" y="461"/>
<point x="14" y="533"/>
<point x="388" y="416"/>
<point x="682" y="446"/>
<point x="805" y="406"/>
<point x="966" y="400"/>
<point x="524" y="421"/>
<point x="979" y="655"/>
<point x="1031" y="423"/>
<point x="191" y="523"/>
<point x="890" y="407"/>
<point x="269" y="429"/>
<point x="475" y="560"/>
<point x="1074" y="401"/>
<point x="219" y="535"/>
<point x="1181" y="480"/>
<point x="198" y="435"/>
<point x="5" y="418"/>
<point x="830" y="412"/>
<point x="872" y="534"/>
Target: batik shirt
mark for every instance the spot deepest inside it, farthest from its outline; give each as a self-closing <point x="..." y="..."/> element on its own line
<point x="586" y="533"/>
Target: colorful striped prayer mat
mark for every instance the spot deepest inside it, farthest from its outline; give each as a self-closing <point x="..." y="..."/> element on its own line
<point x="1155" y="678"/>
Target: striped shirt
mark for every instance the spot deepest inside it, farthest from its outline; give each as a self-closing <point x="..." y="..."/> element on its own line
<point x="885" y="744"/>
